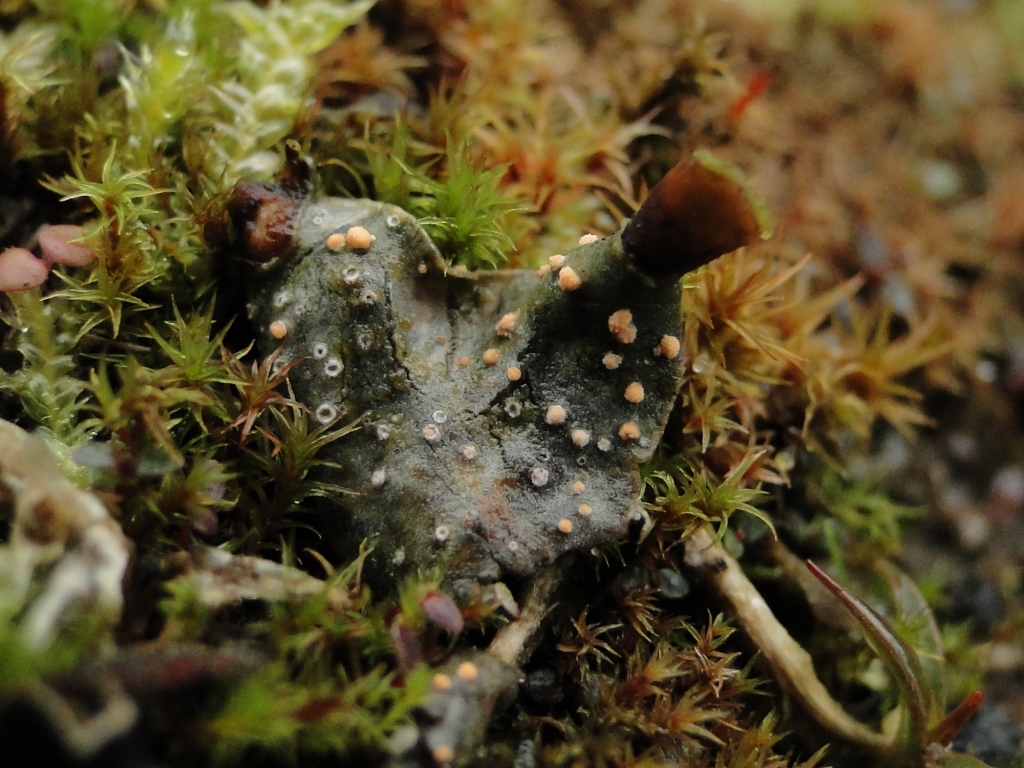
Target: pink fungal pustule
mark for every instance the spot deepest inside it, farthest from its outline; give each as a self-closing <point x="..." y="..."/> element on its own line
<point x="57" y="248"/>
<point x="21" y="271"/>
<point x="442" y="611"/>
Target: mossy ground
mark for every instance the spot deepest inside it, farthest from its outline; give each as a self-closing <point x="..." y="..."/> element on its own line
<point x="865" y="400"/>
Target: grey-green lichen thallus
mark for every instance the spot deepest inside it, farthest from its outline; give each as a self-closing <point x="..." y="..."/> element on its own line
<point x="503" y="414"/>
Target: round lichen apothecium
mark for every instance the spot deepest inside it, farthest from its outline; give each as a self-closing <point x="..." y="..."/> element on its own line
<point x="555" y="415"/>
<point x="669" y="346"/>
<point x="467" y="671"/>
<point x="629" y="431"/>
<point x="634" y="392"/>
<point x="441" y="682"/>
<point x="611" y="361"/>
<point x="359" y="238"/>
<point x="568" y="280"/>
<point x="620" y="323"/>
<point x="506" y="324"/>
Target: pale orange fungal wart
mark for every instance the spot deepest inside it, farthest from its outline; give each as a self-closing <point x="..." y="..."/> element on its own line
<point x="580" y="438"/>
<point x="544" y="269"/>
<point x="629" y="431"/>
<point x="620" y="323"/>
<point x="578" y="487"/>
<point x="507" y="323"/>
<point x="278" y="329"/>
<point x="556" y="261"/>
<point x="491" y="356"/>
<point x="359" y="237"/>
<point x="467" y="671"/>
<point x="335" y="241"/>
<point x="634" y="392"/>
<point x="441" y="682"/>
<point x="585" y="510"/>
<point x="555" y="415"/>
<point x="514" y="373"/>
<point x="612" y="361"/>
<point x="668" y="346"/>
<point x="568" y="280"/>
<point x="565" y="525"/>
<point x="463" y="361"/>
<point x="589" y="238"/>
<point x="443" y="754"/>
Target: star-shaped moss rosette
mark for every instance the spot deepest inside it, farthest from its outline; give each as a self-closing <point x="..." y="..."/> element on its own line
<point x="503" y="414"/>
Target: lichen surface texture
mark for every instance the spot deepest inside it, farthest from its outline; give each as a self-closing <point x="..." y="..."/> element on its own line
<point x="463" y="463"/>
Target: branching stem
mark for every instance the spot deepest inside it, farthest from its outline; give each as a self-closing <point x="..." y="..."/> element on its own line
<point x="789" y="662"/>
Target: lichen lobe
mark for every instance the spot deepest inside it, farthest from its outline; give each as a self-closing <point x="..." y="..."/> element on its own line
<point x="458" y="463"/>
